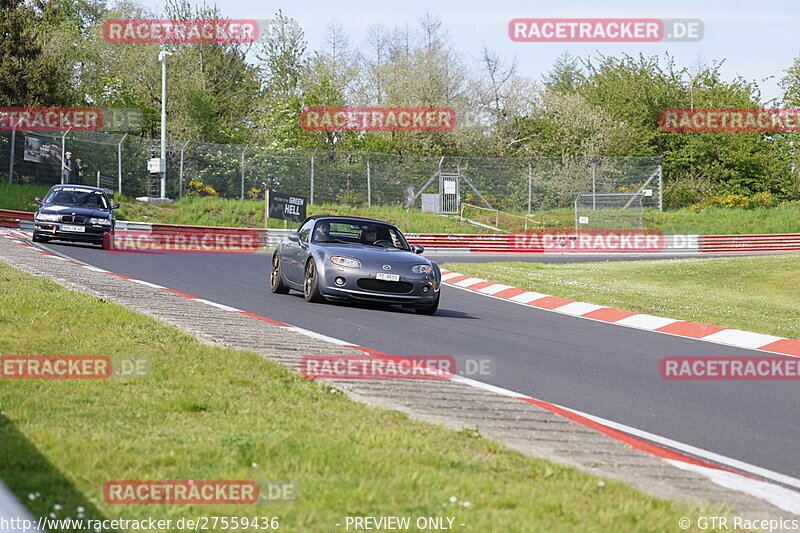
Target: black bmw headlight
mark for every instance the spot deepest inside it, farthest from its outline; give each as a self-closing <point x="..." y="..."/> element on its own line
<point x="47" y="217"/>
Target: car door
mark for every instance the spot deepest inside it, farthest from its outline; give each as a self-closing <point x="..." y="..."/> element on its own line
<point x="295" y="253"/>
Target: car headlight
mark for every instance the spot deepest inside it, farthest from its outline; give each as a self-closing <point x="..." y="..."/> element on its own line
<point x="345" y="261"/>
<point x="100" y="221"/>
<point x="421" y="269"/>
<point x="47" y="217"/>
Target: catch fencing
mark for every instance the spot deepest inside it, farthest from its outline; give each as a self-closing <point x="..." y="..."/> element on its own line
<point x="355" y="178"/>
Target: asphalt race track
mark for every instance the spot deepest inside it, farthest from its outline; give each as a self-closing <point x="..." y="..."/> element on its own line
<point x="601" y="369"/>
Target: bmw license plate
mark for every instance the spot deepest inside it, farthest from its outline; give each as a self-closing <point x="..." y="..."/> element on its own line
<point x="387" y="277"/>
<point x="68" y="227"/>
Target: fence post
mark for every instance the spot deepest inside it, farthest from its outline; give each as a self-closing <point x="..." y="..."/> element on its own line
<point x="246" y="146"/>
<point x="576" y="213"/>
<point x="119" y="164"/>
<point x="98" y="179"/>
<point x="11" y="158"/>
<point x="594" y="191"/>
<point x="11" y="155"/>
<point x="180" y="179"/>
<point x="660" y="186"/>
<point x="369" y="186"/>
<point x="530" y="174"/>
<point x="311" y="199"/>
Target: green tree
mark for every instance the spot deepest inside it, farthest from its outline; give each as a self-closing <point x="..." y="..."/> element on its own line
<point x="36" y="67"/>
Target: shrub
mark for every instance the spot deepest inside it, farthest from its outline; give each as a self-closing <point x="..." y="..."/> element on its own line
<point x="759" y="199"/>
<point x="687" y="191"/>
<point x="198" y="188"/>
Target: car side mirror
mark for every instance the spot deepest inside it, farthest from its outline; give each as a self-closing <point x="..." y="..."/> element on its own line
<point x="294" y="236"/>
<point x="417" y="248"/>
<point x="114" y="206"/>
<point x="38" y="200"/>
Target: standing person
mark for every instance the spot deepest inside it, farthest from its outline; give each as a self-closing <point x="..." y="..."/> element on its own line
<point x="66" y="167"/>
<point x="79" y="168"/>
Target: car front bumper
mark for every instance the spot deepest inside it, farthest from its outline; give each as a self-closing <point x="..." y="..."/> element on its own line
<point x="362" y="285"/>
<point x="91" y="233"/>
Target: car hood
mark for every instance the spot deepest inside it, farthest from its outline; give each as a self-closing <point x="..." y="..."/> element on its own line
<point x="366" y="252"/>
<point x="70" y="209"/>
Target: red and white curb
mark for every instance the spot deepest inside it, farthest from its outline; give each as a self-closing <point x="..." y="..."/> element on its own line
<point x="676" y="453"/>
<point x="670" y="326"/>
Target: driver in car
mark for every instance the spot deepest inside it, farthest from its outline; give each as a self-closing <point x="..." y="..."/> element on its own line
<point x="370" y="235"/>
<point x="322" y="232"/>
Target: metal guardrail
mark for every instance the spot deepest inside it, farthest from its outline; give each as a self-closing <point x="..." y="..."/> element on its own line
<point x="12" y="219"/>
<point x="775" y="242"/>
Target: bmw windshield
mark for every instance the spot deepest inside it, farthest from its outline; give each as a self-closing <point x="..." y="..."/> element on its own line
<point x="77" y="197"/>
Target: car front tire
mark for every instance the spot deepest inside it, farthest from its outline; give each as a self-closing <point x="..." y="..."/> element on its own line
<point x="311" y="284"/>
<point x="38" y="238"/>
<point x="429" y="309"/>
<point x="275" y="279"/>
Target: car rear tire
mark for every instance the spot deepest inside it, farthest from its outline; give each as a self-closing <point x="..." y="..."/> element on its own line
<point x="311" y="284"/>
<point x="275" y="279"/>
<point x="429" y="309"/>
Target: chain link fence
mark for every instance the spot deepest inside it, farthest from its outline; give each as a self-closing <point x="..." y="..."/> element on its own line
<point x="355" y="178"/>
<point x="600" y="211"/>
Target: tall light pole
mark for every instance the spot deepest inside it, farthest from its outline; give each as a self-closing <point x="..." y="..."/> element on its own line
<point x="63" y="140"/>
<point x="11" y="159"/>
<point x="162" y="56"/>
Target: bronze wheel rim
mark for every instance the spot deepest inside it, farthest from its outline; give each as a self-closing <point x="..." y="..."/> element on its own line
<point x="309" y="285"/>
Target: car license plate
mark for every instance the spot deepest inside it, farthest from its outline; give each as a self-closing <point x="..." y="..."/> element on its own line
<point x="387" y="277"/>
<point x="68" y="227"/>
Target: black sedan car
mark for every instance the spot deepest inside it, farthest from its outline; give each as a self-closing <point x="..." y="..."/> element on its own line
<point x="76" y="213"/>
<point x="351" y="258"/>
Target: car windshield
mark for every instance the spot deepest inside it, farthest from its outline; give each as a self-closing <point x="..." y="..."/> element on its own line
<point x="78" y="197"/>
<point x="359" y="232"/>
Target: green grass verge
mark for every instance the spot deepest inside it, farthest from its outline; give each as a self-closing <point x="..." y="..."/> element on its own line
<point x="250" y="214"/>
<point x="751" y="293"/>
<point x="20" y="197"/>
<point x="214" y="413"/>
<point x="711" y="221"/>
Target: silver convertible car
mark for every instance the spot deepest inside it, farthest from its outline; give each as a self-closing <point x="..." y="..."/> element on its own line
<point x="350" y="258"/>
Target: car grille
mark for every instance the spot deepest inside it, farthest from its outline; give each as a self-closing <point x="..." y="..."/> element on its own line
<point x="70" y="218"/>
<point x="379" y="285"/>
